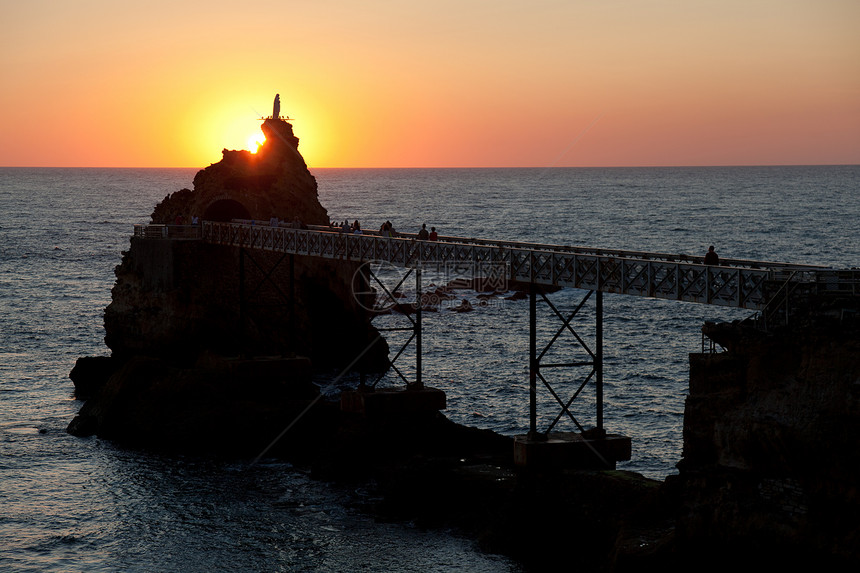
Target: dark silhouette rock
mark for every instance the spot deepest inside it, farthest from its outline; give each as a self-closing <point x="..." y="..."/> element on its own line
<point x="771" y="447"/>
<point x="518" y="295"/>
<point x="274" y="182"/>
<point x="232" y="407"/>
<point x="91" y="373"/>
<point x="180" y="308"/>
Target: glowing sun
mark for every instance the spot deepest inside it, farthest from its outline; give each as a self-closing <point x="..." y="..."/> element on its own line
<point x="255" y="141"/>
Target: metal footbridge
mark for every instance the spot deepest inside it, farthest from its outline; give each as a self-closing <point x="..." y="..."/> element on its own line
<point x="735" y="282"/>
<point x="766" y="287"/>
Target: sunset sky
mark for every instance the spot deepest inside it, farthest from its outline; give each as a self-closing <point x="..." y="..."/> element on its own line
<point x="459" y="83"/>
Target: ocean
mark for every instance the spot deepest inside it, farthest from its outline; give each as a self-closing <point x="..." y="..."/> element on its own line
<point x="83" y="504"/>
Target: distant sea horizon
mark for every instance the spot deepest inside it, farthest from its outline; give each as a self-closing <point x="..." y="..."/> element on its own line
<point x="465" y="167"/>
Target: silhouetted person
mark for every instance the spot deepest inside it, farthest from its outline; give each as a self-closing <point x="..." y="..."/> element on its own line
<point x="711" y="257"/>
<point x="276" y="110"/>
<point x="433" y="235"/>
<point x="423" y="235"/>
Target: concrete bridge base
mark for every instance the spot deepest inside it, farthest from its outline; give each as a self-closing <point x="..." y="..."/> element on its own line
<point x="571" y="450"/>
<point x="392" y="401"/>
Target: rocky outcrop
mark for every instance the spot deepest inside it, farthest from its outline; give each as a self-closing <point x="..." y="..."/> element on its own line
<point x="219" y="406"/>
<point x="771" y="446"/>
<point x="178" y="302"/>
<point x="176" y="299"/>
<point x="274" y="182"/>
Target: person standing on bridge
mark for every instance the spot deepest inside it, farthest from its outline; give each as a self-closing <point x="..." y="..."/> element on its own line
<point x="423" y="235"/>
<point x="433" y="235"/>
<point x="711" y="257"/>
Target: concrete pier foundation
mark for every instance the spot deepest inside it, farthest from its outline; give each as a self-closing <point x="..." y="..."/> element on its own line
<point x="571" y="450"/>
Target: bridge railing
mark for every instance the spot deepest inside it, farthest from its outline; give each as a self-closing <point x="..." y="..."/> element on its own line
<point x="154" y="231"/>
<point x="838" y="282"/>
<point x="639" y="255"/>
<point x="623" y="272"/>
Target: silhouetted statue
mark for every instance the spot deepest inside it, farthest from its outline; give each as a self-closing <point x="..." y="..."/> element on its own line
<point x="276" y="110"/>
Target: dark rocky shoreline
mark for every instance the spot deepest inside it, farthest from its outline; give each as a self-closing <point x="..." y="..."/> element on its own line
<point x="762" y="496"/>
<point x="423" y="469"/>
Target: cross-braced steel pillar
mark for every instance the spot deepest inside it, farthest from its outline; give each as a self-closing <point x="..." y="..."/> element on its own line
<point x="536" y="366"/>
<point x="415" y="327"/>
<point x="587" y="448"/>
<point x="416" y="399"/>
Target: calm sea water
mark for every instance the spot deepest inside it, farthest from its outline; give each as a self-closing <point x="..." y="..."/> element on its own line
<point x="72" y="504"/>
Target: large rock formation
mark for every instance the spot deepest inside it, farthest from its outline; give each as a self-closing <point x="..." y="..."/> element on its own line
<point x="274" y="182"/>
<point x="772" y="446"/>
<point x="192" y="315"/>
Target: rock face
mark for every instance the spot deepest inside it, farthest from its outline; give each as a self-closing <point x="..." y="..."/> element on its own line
<point x="178" y="298"/>
<point x="274" y="182"/>
<point x="184" y="311"/>
<point x="772" y="445"/>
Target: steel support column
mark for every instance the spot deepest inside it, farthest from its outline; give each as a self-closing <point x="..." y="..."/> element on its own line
<point x="415" y="328"/>
<point x="595" y="361"/>
<point x="533" y="362"/>
<point x="598" y="357"/>
<point x="419" y="384"/>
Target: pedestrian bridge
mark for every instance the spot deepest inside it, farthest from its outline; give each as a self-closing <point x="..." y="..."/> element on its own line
<point x="771" y="288"/>
<point x="735" y="282"/>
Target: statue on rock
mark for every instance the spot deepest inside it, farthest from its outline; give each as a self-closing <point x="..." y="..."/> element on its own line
<point x="276" y="110"/>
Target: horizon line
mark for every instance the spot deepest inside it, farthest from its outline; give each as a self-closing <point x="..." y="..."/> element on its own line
<point x="643" y="166"/>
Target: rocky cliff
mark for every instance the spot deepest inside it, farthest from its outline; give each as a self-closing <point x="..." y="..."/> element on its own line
<point x="192" y="315"/>
<point x="772" y="446"/>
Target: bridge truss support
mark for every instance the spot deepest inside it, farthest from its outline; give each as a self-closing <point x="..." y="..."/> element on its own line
<point x="592" y="447"/>
<point x="415" y="398"/>
<point x="595" y="362"/>
<point x="408" y="310"/>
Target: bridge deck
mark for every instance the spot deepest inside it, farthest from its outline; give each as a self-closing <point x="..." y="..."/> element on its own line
<point x="736" y="282"/>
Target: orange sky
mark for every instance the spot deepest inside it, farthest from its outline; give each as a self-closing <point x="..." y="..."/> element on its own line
<point x="387" y="83"/>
